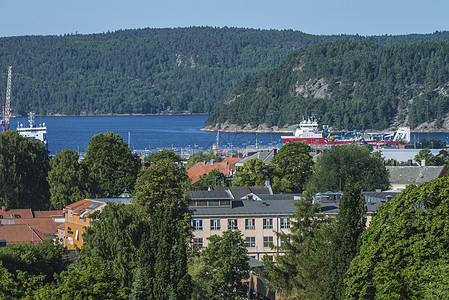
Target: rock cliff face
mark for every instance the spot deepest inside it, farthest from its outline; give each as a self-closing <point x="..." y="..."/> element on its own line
<point x="346" y="85"/>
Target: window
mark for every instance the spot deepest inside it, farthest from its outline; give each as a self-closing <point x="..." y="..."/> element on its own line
<point x="197" y="243"/>
<point x="92" y="206"/>
<point x="267" y="241"/>
<point x="285" y="223"/>
<point x="287" y="240"/>
<point x="250" y="241"/>
<point x="215" y="225"/>
<point x="267" y="223"/>
<point x="250" y="223"/>
<point x="197" y="224"/>
<point x="232" y="224"/>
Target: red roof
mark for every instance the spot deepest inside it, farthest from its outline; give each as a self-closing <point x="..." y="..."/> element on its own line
<point x="199" y="169"/>
<point x="44" y="225"/>
<point x="85" y="206"/>
<point x="16" y="213"/>
<point x="18" y="233"/>
<point x="49" y="214"/>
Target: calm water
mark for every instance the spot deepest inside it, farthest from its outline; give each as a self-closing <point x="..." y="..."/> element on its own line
<point x="156" y="132"/>
<point x="144" y="132"/>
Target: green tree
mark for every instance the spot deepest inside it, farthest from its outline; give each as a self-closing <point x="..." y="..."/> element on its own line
<point x="302" y="269"/>
<point x="27" y="267"/>
<point x="227" y="266"/>
<point x="24" y="165"/>
<point x="163" y="154"/>
<point x="115" y="239"/>
<point x="111" y="165"/>
<point x="200" y="156"/>
<point x="67" y="179"/>
<point x="293" y="165"/>
<point x="214" y="178"/>
<point x="92" y="281"/>
<point x="405" y="237"/>
<point x="253" y="173"/>
<point x="161" y="193"/>
<point x="346" y="241"/>
<point x="337" y="165"/>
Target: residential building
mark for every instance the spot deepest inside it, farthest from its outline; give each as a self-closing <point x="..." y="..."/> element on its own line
<point x="77" y="218"/>
<point x="401" y="176"/>
<point x="258" y="217"/>
<point x="201" y="169"/>
<point x="25" y="225"/>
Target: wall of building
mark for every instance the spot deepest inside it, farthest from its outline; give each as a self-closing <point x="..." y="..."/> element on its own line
<point x="256" y="250"/>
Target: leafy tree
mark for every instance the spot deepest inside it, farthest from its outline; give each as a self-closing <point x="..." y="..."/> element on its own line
<point x="200" y="156"/>
<point x="161" y="194"/>
<point x="349" y="225"/>
<point x="163" y="154"/>
<point x="405" y="237"/>
<point x="111" y="165"/>
<point x="115" y="239"/>
<point x="67" y="179"/>
<point x="214" y="178"/>
<point x="253" y="173"/>
<point x="293" y="165"/>
<point x="27" y="267"/>
<point x="92" y="281"/>
<point x="303" y="267"/>
<point x="337" y="165"/>
<point x="24" y="165"/>
<point x="227" y="266"/>
<point x="433" y="143"/>
<point x="431" y="160"/>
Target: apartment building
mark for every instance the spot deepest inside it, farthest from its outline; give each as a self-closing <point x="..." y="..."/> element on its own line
<point x="257" y="216"/>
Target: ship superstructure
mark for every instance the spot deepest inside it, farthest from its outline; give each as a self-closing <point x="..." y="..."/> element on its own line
<point x="309" y="133"/>
<point x="38" y="133"/>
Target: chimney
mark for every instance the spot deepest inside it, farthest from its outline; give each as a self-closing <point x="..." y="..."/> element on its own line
<point x="389" y="197"/>
<point x="393" y="162"/>
<point x="249" y="197"/>
<point x="226" y="163"/>
<point x="275" y="151"/>
<point x="410" y="162"/>
<point x="3" y="208"/>
<point x="423" y="163"/>
<point x="204" y="162"/>
<point x="212" y="162"/>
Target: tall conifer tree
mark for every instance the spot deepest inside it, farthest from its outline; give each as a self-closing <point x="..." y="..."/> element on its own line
<point x="349" y="225"/>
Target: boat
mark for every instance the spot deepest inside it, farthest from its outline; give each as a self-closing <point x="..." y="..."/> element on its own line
<point x="38" y="133"/>
<point x="309" y="133"/>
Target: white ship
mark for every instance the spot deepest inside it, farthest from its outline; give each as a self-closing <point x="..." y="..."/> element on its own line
<point x="38" y="133"/>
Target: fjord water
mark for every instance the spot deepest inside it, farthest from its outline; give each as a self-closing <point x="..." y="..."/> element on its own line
<point x="144" y="132"/>
<point x="155" y="132"/>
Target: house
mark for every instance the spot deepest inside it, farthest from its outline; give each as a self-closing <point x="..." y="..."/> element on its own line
<point x="201" y="169"/>
<point x="34" y="226"/>
<point x="20" y="233"/>
<point x="77" y="218"/>
<point x="401" y="176"/>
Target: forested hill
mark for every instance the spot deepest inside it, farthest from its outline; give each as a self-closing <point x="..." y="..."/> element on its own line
<point x="147" y="70"/>
<point x="348" y="85"/>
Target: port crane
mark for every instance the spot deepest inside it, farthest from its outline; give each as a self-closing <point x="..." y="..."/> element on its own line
<point x="7" y="107"/>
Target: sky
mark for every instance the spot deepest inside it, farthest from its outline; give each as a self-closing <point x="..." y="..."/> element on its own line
<point x="364" y="17"/>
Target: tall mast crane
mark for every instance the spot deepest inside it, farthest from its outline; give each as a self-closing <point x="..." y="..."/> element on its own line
<point x="7" y="107"/>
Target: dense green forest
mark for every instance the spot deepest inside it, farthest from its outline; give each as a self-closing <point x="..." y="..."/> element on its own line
<point x="149" y="70"/>
<point x="348" y="85"/>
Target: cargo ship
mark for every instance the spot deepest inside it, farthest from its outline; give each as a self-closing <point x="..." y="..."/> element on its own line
<point x="309" y="133"/>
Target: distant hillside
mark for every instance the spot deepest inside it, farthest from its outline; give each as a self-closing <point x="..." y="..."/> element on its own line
<point x="147" y="70"/>
<point x="348" y="85"/>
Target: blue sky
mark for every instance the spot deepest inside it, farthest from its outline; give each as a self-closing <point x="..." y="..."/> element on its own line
<point x="365" y="17"/>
